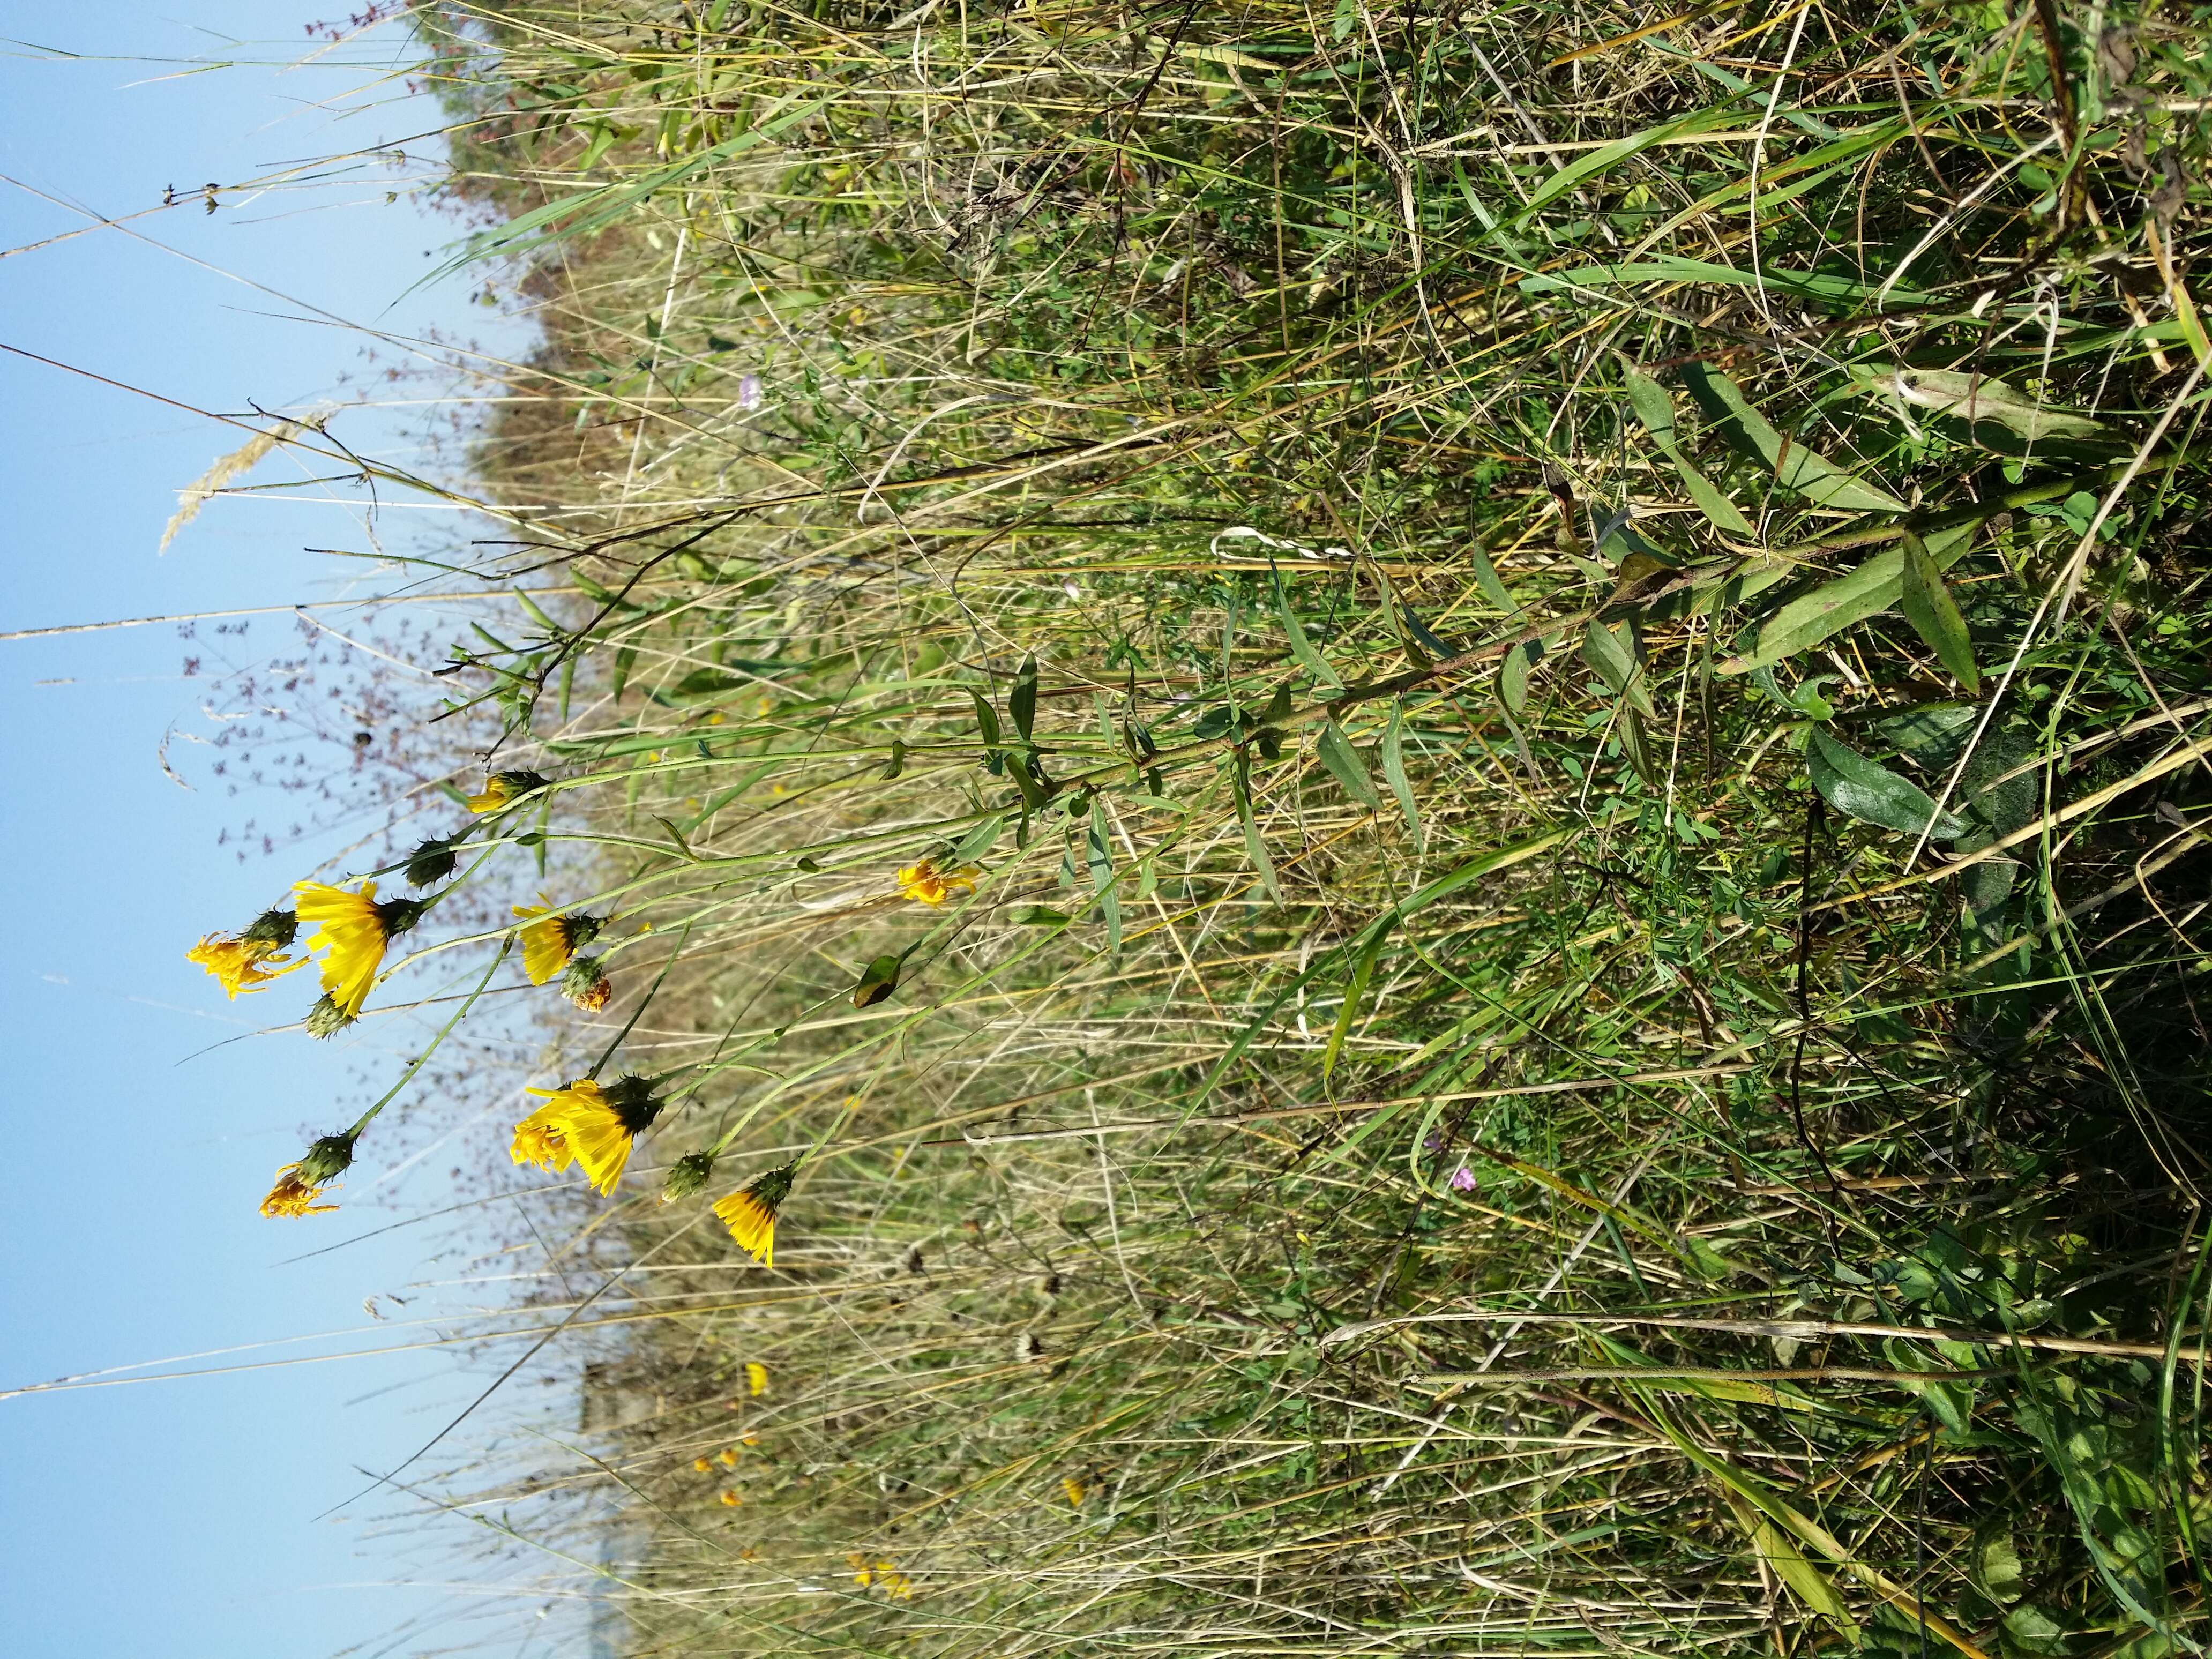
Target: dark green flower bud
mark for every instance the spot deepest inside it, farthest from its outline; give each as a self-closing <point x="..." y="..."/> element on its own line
<point x="273" y="928"/>
<point x="327" y="1160"/>
<point x="431" y="863"/>
<point x="326" y="1016"/>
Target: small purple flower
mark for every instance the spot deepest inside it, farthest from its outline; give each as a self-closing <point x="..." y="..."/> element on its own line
<point x="748" y="392"/>
<point x="1433" y="1143"/>
<point x="1462" y="1180"/>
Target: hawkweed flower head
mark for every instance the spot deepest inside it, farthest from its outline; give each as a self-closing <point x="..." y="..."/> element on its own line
<point x="755" y="1378"/>
<point x="549" y="942"/>
<point x="503" y="787"/>
<point x="927" y="885"/>
<point x="583" y="1123"/>
<point x="689" y="1174"/>
<point x="730" y="1498"/>
<point x="749" y="1214"/>
<point x="298" y="1185"/>
<point x="355" y="929"/>
<point x="249" y="960"/>
<point x="585" y="983"/>
<point x="1075" y="1491"/>
<point x="432" y="862"/>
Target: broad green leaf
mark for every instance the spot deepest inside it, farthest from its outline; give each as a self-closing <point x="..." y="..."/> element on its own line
<point x="1795" y="466"/>
<point x="1394" y="768"/>
<point x="1492" y="586"/>
<point x="878" y="979"/>
<point x="1974" y="399"/>
<point x="1021" y="702"/>
<point x="1343" y="760"/>
<point x="1875" y="586"/>
<point x="1612" y="653"/>
<point x="987" y="718"/>
<point x="1656" y="409"/>
<point x="1931" y="733"/>
<point x="1996" y="1572"/>
<point x="1934" y="614"/>
<point x="1871" y="792"/>
<point x="1513" y="676"/>
<point x="1301" y="648"/>
<point x="980" y="840"/>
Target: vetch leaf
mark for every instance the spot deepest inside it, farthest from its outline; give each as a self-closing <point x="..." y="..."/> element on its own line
<point x="1101" y="876"/>
<point x="1934" y="614"/>
<point x="987" y="718"/>
<point x="1871" y="792"/>
<point x="979" y="840"/>
<point x="1254" y="844"/>
<point x="1301" y="648"/>
<point x="1612" y="653"/>
<point x="1021" y="702"/>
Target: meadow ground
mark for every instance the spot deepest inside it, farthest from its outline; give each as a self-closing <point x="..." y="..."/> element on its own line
<point x="1426" y="787"/>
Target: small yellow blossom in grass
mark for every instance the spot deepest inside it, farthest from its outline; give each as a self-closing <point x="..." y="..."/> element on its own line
<point x="1075" y="1491"/>
<point x="749" y="1213"/>
<point x="298" y="1185"/>
<point x="355" y="929"/>
<point x="755" y="1378"/>
<point x="702" y="1465"/>
<point x="502" y="787"/>
<point x="882" y="1575"/>
<point x="926" y="883"/>
<point x="550" y="942"/>
<point x="730" y="1499"/>
<point x="583" y="1123"/>
<point x="749" y="1439"/>
<point x="729" y="1457"/>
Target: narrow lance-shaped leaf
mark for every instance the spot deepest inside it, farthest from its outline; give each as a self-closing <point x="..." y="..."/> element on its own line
<point x="1343" y="762"/>
<point x="1021" y="702"/>
<point x="1355" y="992"/>
<point x="1928" y="606"/>
<point x="1254" y="844"/>
<point x="987" y="718"/>
<point x="1875" y="586"/>
<point x="1795" y="466"/>
<point x="1101" y="876"/>
<point x="877" y="980"/>
<point x="1301" y="648"/>
<point x="1656" y="410"/>
<point x="1394" y="768"/>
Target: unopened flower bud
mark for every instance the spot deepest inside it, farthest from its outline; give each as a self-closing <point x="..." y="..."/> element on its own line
<point x="273" y="928"/>
<point x="328" y="1158"/>
<point x="585" y="984"/>
<point x="430" y="863"/>
<point x="687" y="1176"/>
<point x="326" y="1016"/>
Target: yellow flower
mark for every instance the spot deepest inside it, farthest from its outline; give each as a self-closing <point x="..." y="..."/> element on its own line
<point x="749" y="1214"/>
<point x="926" y="883"/>
<point x="501" y="787"/>
<point x="583" y="1123"/>
<point x="549" y="942"/>
<point x="731" y="1498"/>
<point x="294" y="1193"/>
<point x="884" y="1575"/>
<point x="355" y="929"/>
<point x="755" y="1377"/>
<point x="241" y="964"/>
<point x="702" y="1465"/>
<point x="729" y="1457"/>
<point x="1075" y="1491"/>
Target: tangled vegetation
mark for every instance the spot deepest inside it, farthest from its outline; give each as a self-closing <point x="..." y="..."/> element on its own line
<point x="1411" y="798"/>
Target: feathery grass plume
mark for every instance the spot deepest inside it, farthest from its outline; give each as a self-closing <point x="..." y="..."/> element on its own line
<point x="248" y="961"/>
<point x="240" y="461"/>
<point x="355" y="929"/>
<point x="583" y="1123"/>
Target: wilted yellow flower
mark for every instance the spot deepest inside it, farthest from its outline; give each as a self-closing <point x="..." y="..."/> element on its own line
<point x="585" y="983"/>
<point x="749" y="1213"/>
<point x="583" y="1123"/>
<point x="355" y="929"/>
<point x="926" y="883"/>
<point x="755" y="1377"/>
<point x="551" y="941"/>
<point x="240" y="965"/>
<point x="294" y="1195"/>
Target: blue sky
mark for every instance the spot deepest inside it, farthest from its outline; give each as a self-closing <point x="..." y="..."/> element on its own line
<point x="180" y="1518"/>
